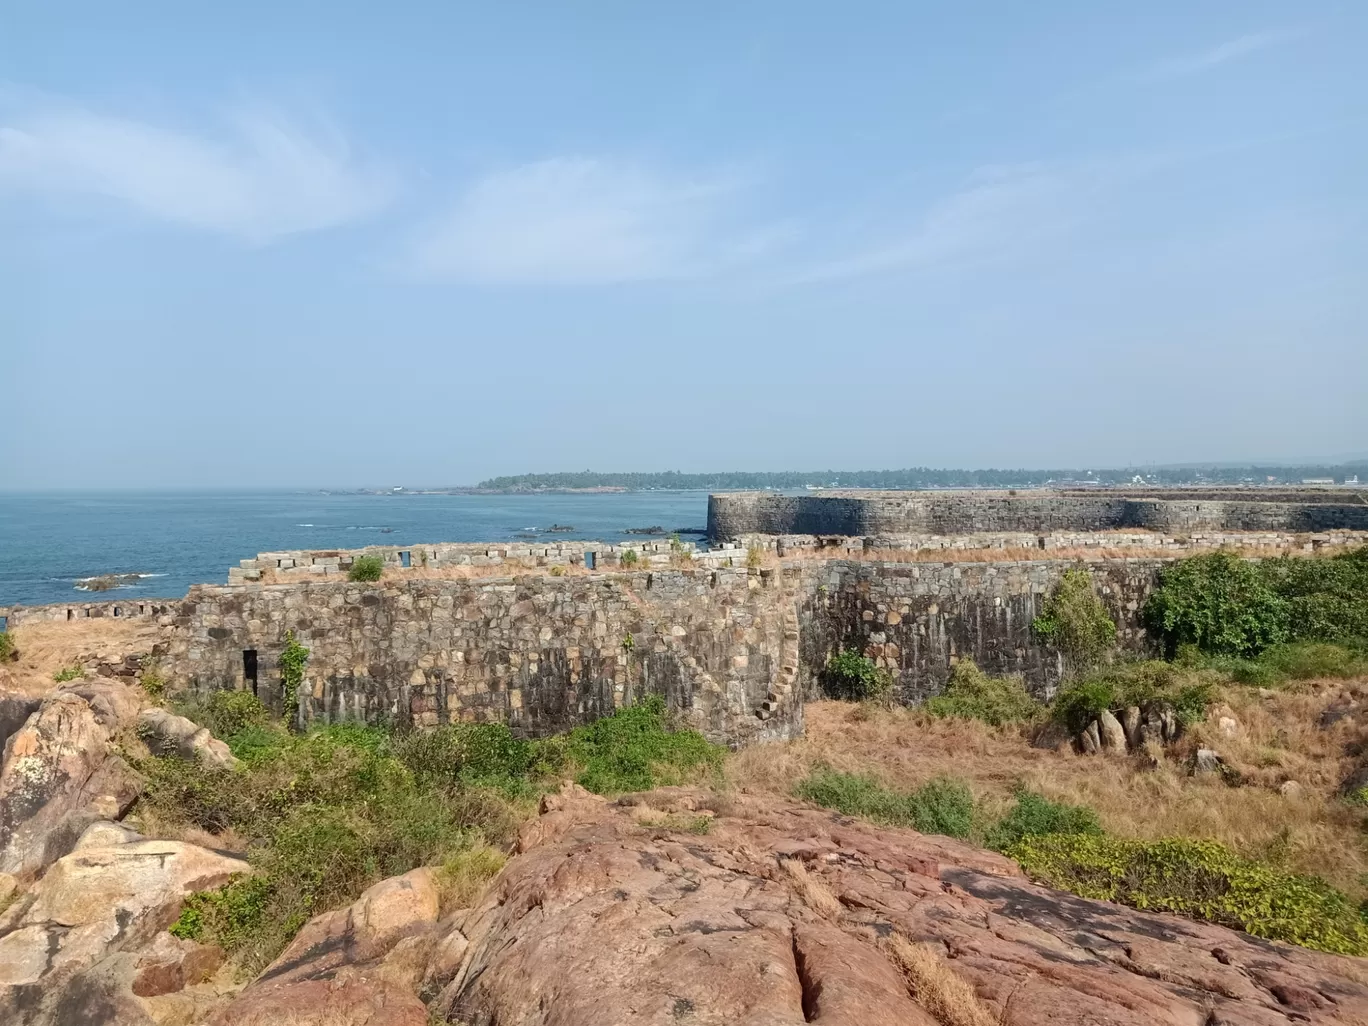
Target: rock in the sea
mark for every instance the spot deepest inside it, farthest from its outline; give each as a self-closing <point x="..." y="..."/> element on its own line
<point x="57" y="777"/>
<point x="1111" y="733"/>
<point x="166" y="733"/>
<point x="785" y="914"/>
<point x="91" y="904"/>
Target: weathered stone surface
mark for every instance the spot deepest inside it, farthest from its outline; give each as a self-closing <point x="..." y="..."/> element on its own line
<point x="90" y="904"/>
<point x="103" y="833"/>
<point x="1130" y="723"/>
<point x="57" y="778"/>
<point x="399" y="907"/>
<point x="359" y="964"/>
<point x="780" y="914"/>
<point x="1112" y="734"/>
<point x="168" y="734"/>
<point x="348" y="999"/>
<point x="1207" y="760"/>
<point x="1091" y="738"/>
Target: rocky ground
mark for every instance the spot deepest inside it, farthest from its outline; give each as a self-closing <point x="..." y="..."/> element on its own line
<point x="679" y="907"/>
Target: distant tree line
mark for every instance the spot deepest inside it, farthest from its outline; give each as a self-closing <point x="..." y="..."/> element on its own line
<point x="921" y="477"/>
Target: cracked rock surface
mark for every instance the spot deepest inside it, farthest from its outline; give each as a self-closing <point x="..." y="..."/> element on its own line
<point x="782" y="913"/>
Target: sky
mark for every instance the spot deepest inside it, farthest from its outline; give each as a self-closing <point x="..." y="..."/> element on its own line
<point x="345" y="244"/>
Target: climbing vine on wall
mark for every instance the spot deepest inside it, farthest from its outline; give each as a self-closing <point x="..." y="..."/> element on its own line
<point x="293" y="659"/>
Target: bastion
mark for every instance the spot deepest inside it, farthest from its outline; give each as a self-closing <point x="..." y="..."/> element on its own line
<point x="866" y="513"/>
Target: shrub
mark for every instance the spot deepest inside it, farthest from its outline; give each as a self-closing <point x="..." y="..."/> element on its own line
<point x="293" y="659"/>
<point x="226" y="713"/>
<point x="465" y="874"/>
<point x="68" y="673"/>
<point x="1326" y="599"/>
<point x="940" y="806"/>
<point x="558" y="571"/>
<point x="755" y="556"/>
<point x="1075" y="621"/>
<point x="633" y="750"/>
<point x="1034" y="815"/>
<point x="366" y="568"/>
<point x="1218" y="602"/>
<point x="630" y="558"/>
<point x="1306" y="660"/>
<point x="1187" y="691"/>
<point x="854" y="677"/>
<point x="8" y="650"/>
<point x="972" y="694"/>
<point x="1199" y="879"/>
<point x="327" y="813"/>
<point x="153" y="682"/>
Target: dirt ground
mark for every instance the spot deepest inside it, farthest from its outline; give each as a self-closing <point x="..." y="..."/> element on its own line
<point x="47" y="647"/>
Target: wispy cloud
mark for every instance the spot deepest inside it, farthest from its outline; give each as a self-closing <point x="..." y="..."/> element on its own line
<point x="261" y="178"/>
<point x="585" y="221"/>
<point x="997" y="214"/>
<point x="1233" y="49"/>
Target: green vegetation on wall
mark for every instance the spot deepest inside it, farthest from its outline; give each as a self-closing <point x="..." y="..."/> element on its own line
<point x="852" y="676"/>
<point x="293" y="660"/>
<point x="7" y="647"/>
<point x="366" y="568"/>
<point x="1075" y="621"/>
<point x="1228" y="606"/>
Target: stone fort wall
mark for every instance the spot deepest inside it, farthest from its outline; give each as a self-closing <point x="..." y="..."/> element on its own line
<point x="734" y="515"/>
<point x="734" y="652"/>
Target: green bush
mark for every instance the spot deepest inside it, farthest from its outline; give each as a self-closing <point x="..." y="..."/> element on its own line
<point x="327" y="813"/>
<point x="366" y="569"/>
<point x="940" y="806"/>
<point x="226" y="713"/>
<point x="7" y="647"/>
<point x="67" y="673"/>
<point x="1034" y="815"/>
<point x="1075" y="621"/>
<point x="972" y="694"/>
<point x="851" y="676"/>
<point x="1325" y="599"/>
<point x="1188" y="691"/>
<point x="1199" y="879"/>
<point x="630" y="558"/>
<point x="634" y="750"/>
<point x="1218" y="602"/>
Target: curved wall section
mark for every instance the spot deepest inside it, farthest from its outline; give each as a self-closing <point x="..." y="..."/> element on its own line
<point x="731" y="515"/>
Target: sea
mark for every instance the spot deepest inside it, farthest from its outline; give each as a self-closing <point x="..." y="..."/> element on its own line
<point x="162" y="543"/>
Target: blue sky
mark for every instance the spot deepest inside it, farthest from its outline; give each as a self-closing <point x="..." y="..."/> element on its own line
<point x="313" y="244"/>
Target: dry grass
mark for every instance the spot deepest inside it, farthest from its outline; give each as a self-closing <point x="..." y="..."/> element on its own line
<point x="1278" y="739"/>
<point x="814" y="894"/>
<point x="935" y="986"/>
<point x="49" y="646"/>
<point x="463" y="878"/>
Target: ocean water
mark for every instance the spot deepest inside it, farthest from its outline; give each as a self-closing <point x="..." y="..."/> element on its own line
<point x="50" y="542"/>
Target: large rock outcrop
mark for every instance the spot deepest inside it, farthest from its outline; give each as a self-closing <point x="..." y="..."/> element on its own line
<point x="781" y="913"/>
<point x="58" y="776"/>
<point x="90" y="905"/>
<point x="359" y="965"/>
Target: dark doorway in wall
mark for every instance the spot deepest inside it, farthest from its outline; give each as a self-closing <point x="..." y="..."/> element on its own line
<point x="406" y="558"/>
<point x="249" y="667"/>
<point x="71" y="614"/>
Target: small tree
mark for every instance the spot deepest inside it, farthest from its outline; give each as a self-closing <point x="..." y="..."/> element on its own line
<point x="1075" y="621"/>
<point x="629" y="558"/>
<point x="854" y="677"/>
<point x="293" y="659"/>
<point x="366" y="568"/>
<point x="7" y="649"/>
